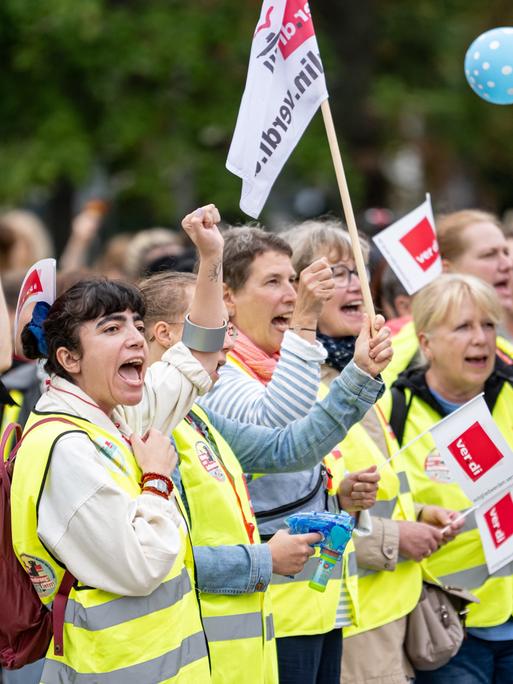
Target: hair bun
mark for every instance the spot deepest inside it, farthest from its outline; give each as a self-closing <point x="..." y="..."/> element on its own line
<point x="30" y="344"/>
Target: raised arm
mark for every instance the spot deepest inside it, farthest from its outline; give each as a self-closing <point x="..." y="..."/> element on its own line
<point x="207" y="308"/>
<point x="172" y="385"/>
<point x="84" y="229"/>
<point x="303" y="443"/>
<point x="289" y="395"/>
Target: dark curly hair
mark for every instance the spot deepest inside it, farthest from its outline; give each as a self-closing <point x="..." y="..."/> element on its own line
<point x="85" y="301"/>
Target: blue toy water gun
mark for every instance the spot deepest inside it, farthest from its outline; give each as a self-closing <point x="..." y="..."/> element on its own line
<point x="336" y="529"/>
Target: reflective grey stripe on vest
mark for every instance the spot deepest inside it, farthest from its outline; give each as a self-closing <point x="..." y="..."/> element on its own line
<point x="269" y="627"/>
<point x="384" y="509"/>
<point x="352" y="564"/>
<point x="474" y="577"/>
<point x="127" y="608"/>
<point x="157" y="670"/>
<point x="306" y="573"/>
<point x="404" y="485"/>
<point x="232" y="627"/>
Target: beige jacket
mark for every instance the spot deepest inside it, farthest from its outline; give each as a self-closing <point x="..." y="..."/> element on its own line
<point x="105" y="538"/>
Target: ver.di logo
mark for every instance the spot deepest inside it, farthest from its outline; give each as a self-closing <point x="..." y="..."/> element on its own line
<point x="475" y="452"/>
<point x="499" y="519"/>
<point x="422" y="244"/>
<point x="297" y="27"/>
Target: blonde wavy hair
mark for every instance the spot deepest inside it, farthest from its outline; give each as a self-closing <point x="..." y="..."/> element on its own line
<point x="437" y="302"/>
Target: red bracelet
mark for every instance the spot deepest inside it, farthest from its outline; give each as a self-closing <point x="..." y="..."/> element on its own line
<point x="153" y="490"/>
<point x="157" y="476"/>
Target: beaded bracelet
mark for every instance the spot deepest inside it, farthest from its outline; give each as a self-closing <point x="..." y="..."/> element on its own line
<point x="154" y="490"/>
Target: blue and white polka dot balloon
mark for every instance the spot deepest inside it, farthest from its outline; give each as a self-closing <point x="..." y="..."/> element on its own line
<point x="489" y="65"/>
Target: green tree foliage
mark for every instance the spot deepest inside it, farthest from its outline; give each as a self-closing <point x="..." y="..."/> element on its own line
<point x="149" y="91"/>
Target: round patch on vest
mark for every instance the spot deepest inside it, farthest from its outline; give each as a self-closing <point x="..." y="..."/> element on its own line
<point x="41" y="574"/>
<point x="436" y="469"/>
<point x="208" y="461"/>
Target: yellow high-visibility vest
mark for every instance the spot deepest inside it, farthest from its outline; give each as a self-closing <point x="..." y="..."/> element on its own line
<point x="10" y="414"/>
<point x="239" y="628"/>
<point x="401" y="587"/>
<point x="462" y="562"/>
<point x="405" y="345"/>
<point x="107" y="637"/>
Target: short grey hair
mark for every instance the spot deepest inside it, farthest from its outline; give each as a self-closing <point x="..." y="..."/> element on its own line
<point x="321" y="237"/>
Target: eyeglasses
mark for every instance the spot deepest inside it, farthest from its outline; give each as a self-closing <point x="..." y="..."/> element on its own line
<point x="231" y="330"/>
<point x="342" y="275"/>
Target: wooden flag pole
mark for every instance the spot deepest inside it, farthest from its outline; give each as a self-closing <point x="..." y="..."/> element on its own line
<point x="348" y="209"/>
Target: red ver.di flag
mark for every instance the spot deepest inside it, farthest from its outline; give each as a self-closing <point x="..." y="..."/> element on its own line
<point x="284" y="88"/>
<point x="475" y="451"/>
<point x="495" y="523"/>
<point x="38" y="286"/>
<point x="411" y="249"/>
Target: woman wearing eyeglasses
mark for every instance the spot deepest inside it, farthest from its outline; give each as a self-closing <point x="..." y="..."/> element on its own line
<point x="389" y="574"/>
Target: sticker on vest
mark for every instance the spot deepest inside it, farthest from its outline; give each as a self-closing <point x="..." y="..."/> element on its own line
<point x="41" y="574"/>
<point x="436" y="469"/>
<point x="115" y="458"/>
<point x="208" y="461"/>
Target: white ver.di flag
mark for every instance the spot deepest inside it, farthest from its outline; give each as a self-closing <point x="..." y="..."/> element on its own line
<point x="475" y="451"/>
<point x="38" y="286"/>
<point x="495" y="523"/>
<point x="410" y="247"/>
<point x="284" y="88"/>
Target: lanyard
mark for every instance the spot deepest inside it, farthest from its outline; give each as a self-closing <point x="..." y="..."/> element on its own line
<point x="385" y="423"/>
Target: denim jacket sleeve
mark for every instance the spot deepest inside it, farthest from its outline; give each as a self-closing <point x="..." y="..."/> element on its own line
<point x="237" y="569"/>
<point x="303" y="443"/>
<point x="241" y="569"/>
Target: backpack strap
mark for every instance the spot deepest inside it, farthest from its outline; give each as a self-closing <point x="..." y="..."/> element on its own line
<point x="58" y="611"/>
<point x="6" y="436"/>
<point x="399" y="413"/>
<point x="68" y="580"/>
<point x="12" y="455"/>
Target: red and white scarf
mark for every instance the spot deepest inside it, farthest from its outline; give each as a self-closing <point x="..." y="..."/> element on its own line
<point x="260" y="363"/>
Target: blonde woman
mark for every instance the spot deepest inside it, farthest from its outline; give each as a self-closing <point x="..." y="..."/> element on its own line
<point x="455" y="319"/>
